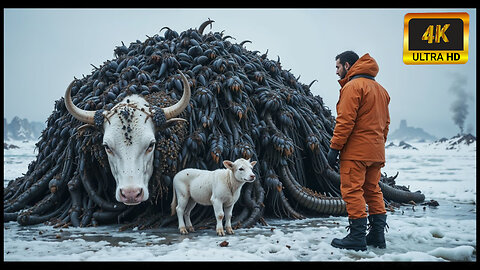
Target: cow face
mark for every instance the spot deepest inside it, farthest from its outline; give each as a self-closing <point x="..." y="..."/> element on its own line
<point x="129" y="139"/>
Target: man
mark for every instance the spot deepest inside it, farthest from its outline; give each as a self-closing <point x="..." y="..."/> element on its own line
<point x="359" y="136"/>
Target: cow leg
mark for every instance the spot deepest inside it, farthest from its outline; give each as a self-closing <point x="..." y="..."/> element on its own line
<point x="218" y="209"/>
<point x="228" y="219"/>
<point x="190" y="205"/>
<point x="182" y="202"/>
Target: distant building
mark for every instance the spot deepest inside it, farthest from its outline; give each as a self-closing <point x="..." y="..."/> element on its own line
<point x="406" y="133"/>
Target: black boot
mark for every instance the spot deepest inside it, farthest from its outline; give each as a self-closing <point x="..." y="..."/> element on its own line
<point x="376" y="235"/>
<point x="356" y="238"/>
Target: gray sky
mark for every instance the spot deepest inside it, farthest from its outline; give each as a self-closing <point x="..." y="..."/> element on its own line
<point x="45" y="48"/>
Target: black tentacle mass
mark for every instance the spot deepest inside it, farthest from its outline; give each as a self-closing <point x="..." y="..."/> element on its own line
<point x="242" y="105"/>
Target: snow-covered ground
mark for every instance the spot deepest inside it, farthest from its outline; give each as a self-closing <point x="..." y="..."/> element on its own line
<point x="416" y="233"/>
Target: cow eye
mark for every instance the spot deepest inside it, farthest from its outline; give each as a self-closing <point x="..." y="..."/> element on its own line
<point x="150" y="147"/>
<point x="108" y="149"/>
<point x="241" y="169"/>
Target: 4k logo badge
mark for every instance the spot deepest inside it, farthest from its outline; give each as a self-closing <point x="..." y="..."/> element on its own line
<point x="435" y="38"/>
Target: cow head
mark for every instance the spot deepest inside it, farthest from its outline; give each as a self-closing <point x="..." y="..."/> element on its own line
<point x="242" y="169"/>
<point x="129" y="139"/>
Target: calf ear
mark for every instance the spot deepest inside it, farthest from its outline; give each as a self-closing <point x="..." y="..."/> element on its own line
<point x="253" y="163"/>
<point x="228" y="164"/>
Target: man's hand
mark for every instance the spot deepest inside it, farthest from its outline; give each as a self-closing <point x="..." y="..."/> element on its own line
<point x="332" y="157"/>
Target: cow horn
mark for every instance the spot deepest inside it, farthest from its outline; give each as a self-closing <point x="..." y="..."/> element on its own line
<point x="177" y="108"/>
<point x="81" y="115"/>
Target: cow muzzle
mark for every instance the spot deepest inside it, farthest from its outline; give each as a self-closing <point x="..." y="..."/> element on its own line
<point x="131" y="195"/>
<point x="250" y="179"/>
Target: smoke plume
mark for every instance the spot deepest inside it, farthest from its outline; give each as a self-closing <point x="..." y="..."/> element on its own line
<point x="459" y="106"/>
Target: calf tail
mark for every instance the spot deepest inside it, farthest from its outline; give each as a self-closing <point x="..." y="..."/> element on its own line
<point x="173" y="205"/>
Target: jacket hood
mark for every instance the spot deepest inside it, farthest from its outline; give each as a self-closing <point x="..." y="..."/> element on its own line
<point x="365" y="65"/>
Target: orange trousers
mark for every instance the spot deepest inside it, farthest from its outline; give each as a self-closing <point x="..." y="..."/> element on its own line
<point x="359" y="187"/>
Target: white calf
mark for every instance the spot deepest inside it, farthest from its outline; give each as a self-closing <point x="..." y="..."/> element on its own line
<point x="220" y="188"/>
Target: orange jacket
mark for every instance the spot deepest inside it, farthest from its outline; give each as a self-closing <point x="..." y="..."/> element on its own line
<point x="362" y="114"/>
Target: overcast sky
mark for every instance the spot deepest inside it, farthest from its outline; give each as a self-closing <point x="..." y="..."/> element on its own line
<point x="45" y="48"/>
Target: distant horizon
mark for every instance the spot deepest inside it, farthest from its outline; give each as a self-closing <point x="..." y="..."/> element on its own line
<point x="392" y="129"/>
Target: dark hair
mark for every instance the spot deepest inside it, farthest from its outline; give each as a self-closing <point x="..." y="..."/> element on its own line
<point x="347" y="56"/>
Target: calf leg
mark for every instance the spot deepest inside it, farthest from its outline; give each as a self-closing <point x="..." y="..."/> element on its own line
<point x="182" y="202"/>
<point x="228" y="219"/>
<point x="218" y="209"/>
<point x="190" y="205"/>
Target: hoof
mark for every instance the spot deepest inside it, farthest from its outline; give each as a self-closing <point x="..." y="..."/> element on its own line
<point x="220" y="232"/>
<point x="183" y="230"/>
<point x="229" y="230"/>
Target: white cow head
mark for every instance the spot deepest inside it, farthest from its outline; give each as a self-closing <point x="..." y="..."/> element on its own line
<point x="129" y="140"/>
<point x="242" y="169"/>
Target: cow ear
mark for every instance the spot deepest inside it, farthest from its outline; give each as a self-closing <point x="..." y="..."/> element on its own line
<point x="228" y="164"/>
<point x="253" y="163"/>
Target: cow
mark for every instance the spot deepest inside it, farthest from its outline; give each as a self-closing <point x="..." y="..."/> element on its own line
<point x="220" y="188"/>
<point x="129" y="139"/>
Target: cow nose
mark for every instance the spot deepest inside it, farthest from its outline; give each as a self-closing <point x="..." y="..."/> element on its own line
<point x="131" y="195"/>
<point x="252" y="177"/>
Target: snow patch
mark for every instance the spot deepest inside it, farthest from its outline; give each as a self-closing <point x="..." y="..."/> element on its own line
<point x="416" y="233"/>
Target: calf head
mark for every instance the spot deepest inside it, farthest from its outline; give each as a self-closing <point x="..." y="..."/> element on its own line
<point x="242" y="169"/>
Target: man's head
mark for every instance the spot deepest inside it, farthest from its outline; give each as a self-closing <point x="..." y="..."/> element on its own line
<point x="344" y="62"/>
